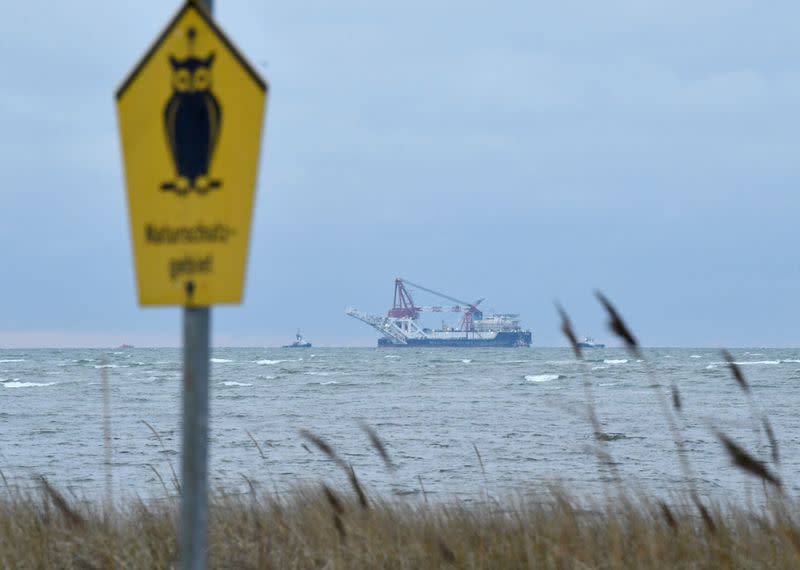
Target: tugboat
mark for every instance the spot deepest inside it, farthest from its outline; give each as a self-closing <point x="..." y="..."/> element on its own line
<point x="589" y="342"/>
<point x="299" y="342"/>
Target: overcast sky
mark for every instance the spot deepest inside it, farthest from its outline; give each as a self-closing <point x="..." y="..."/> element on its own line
<point x="518" y="151"/>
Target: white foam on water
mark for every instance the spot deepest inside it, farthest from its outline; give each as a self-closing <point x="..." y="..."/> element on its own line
<point x="391" y="356"/>
<point x="220" y="360"/>
<point x="616" y="361"/>
<point x="265" y="361"/>
<point x="321" y="373"/>
<point x="105" y="366"/>
<point x="328" y="383"/>
<point x="599" y="367"/>
<point x="266" y="377"/>
<point x="231" y="383"/>
<point x="605" y="384"/>
<point x="466" y="360"/>
<point x="695" y="356"/>
<point x="542" y="377"/>
<point x="27" y="384"/>
<point x="787" y="360"/>
<point x="711" y="367"/>
<point x="746" y="362"/>
<point x="12" y="360"/>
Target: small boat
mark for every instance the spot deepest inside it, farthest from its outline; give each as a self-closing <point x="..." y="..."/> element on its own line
<point x="299" y="342"/>
<point x="124" y="345"/>
<point x="589" y="342"/>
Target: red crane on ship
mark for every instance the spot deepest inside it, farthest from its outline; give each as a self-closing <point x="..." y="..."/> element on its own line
<point x="404" y="307"/>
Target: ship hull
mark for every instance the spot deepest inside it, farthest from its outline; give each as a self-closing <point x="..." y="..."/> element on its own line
<point x="505" y="339"/>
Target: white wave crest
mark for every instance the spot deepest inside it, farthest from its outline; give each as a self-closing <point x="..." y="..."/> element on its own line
<point x="220" y="360"/>
<point x="788" y="360"/>
<point x="391" y="356"/>
<point x="105" y="366"/>
<point x="329" y="382"/>
<point x="695" y="356"/>
<point x="542" y="377"/>
<point x="231" y="383"/>
<point x="278" y="361"/>
<point x="711" y="367"/>
<point x="466" y="360"/>
<point x="599" y="367"/>
<point x="746" y="362"/>
<point x="321" y="373"/>
<point x="12" y="360"/>
<point x="27" y="384"/>
<point x="616" y="361"/>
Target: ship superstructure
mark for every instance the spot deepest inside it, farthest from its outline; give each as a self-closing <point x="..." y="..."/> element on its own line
<point x="401" y="326"/>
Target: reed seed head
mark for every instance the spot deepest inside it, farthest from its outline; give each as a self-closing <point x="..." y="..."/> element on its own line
<point x="617" y="325"/>
<point x="569" y="332"/>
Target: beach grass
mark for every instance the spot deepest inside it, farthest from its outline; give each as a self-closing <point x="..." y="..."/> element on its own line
<point x="322" y="527"/>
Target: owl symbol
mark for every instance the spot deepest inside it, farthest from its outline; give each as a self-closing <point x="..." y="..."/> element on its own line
<point x="192" y="121"/>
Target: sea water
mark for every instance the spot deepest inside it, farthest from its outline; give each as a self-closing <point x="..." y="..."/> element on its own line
<point x="456" y="422"/>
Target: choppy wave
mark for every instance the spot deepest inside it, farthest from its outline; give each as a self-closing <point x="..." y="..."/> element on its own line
<point x="695" y="356"/>
<point x="746" y="362"/>
<point x="12" y="360"/>
<point x="466" y="360"/>
<point x="221" y="360"/>
<point x="542" y="377"/>
<point x="106" y="366"/>
<point x="416" y="392"/>
<point x="277" y="361"/>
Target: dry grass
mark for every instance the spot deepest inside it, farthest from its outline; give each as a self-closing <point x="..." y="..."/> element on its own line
<point x="321" y="528"/>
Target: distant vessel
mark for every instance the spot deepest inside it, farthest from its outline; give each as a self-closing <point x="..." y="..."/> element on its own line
<point x="299" y="342"/>
<point x="589" y="342"/>
<point x="401" y="327"/>
<point x="125" y="346"/>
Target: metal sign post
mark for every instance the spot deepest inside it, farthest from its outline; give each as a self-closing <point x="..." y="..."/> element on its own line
<point x="190" y="120"/>
<point x="194" y="458"/>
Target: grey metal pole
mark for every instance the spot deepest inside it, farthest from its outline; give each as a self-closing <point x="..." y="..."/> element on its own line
<point x="194" y="458"/>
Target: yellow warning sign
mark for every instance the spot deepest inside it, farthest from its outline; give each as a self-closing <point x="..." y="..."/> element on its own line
<point x="190" y="117"/>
